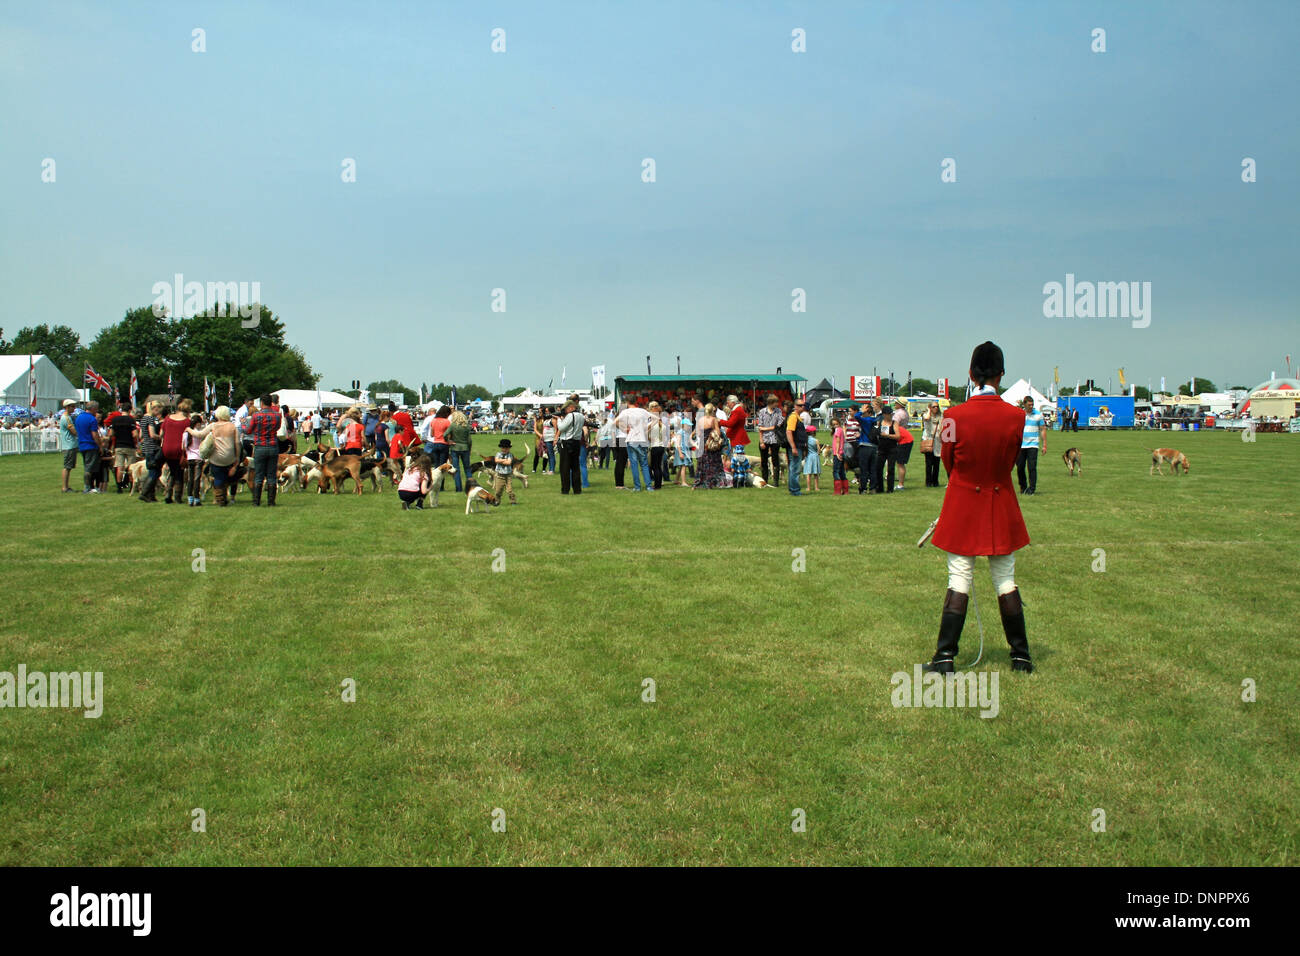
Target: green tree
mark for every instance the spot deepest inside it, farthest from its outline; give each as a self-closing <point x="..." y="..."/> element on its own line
<point x="924" y="385"/>
<point x="60" y="344"/>
<point x="1202" y="385"/>
<point x="1067" y="390"/>
<point x="1143" y="394"/>
<point x="143" y="341"/>
<point x="409" y="395"/>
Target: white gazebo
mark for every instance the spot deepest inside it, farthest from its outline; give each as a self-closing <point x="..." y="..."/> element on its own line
<point x="52" y="386"/>
<point x="1017" y="392"/>
<point x="309" y="399"/>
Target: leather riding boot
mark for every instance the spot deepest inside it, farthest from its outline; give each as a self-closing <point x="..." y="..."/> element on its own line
<point x="271" y="489"/>
<point x="219" y="495"/>
<point x="1012" y="610"/>
<point x="257" y="494"/>
<point x="146" y="492"/>
<point x="950" y="625"/>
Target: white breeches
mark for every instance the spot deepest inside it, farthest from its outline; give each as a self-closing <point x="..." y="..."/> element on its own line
<point x="961" y="571"/>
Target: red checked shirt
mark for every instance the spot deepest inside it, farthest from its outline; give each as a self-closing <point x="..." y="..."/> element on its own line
<point x="262" y="426"/>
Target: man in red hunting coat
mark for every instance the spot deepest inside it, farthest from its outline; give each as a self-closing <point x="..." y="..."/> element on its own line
<point x="980" y="441"/>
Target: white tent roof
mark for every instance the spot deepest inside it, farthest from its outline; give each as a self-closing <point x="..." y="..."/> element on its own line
<point x="311" y="399"/>
<point x="52" y="386"/>
<point x="1017" y="392"/>
<point x="534" y="398"/>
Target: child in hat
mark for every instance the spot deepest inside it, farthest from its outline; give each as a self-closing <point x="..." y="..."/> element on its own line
<point x="503" y="467"/>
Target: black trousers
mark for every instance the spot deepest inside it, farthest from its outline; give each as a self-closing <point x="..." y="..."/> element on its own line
<point x="620" y="464"/>
<point x="571" y="452"/>
<point x="657" y="467"/>
<point x="884" y="456"/>
<point x="773" y="452"/>
<point x="1027" y="459"/>
<point x="867" y="467"/>
<point x="932" y="470"/>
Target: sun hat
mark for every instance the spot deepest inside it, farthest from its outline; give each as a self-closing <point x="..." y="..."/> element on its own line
<point x="67" y="402"/>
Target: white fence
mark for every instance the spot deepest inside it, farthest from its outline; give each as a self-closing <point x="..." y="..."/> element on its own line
<point x="27" y="441"/>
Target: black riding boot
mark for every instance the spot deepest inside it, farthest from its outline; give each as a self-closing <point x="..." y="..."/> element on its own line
<point x="950" y="625"/>
<point x="1013" y="623"/>
<point x="257" y="494"/>
<point x="271" y="489"/>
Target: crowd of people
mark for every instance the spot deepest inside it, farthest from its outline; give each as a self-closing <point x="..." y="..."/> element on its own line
<point x="693" y="444"/>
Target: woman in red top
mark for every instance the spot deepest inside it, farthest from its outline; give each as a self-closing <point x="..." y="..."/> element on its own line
<point x="438" y="436"/>
<point x="354" y="433"/>
<point x="173" y="447"/>
<point x="980" y="516"/>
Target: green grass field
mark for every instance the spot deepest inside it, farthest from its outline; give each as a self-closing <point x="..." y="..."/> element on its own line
<point x="522" y="690"/>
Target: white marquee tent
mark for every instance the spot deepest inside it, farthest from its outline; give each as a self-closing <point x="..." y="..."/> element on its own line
<point x="52" y="386"/>
<point x="1017" y="392"/>
<point x="310" y="399"/>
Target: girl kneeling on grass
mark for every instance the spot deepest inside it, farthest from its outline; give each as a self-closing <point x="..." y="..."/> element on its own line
<point x="415" y="483"/>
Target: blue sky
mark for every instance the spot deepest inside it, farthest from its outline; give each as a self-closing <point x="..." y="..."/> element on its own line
<point x="775" y="170"/>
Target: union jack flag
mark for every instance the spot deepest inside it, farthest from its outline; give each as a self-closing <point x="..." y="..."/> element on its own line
<point x="95" y="380"/>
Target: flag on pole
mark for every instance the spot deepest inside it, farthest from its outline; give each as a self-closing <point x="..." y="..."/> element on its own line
<point x="1056" y="376"/>
<point x="453" y="396"/>
<point x="1122" y="382"/>
<point x="230" y="390"/>
<point x="31" y="381"/>
<point x="135" y="385"/>
<point x="1162" y="383"/>
<point x="943" y="388"/>
<point x="501" y="378"/>
<point x="171" y="390"/>
<point x="564" y="374"/>
<point x="207" y="397"/>
<point x="95" y="380"/>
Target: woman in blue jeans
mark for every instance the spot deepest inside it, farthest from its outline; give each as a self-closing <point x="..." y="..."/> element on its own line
<point x="459" y="440"/>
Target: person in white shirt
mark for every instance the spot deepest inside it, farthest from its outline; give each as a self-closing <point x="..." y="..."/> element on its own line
<point x="632" y="424"/>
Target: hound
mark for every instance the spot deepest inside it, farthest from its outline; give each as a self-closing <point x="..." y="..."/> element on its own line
<point x="439" y="475"/>
<point x="1073" y="461"/>
<point x="480" y="495"/>
<point x="1173" y="456"/>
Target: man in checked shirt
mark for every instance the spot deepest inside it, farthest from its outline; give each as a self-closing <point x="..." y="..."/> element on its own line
<point x="262" y="426"/>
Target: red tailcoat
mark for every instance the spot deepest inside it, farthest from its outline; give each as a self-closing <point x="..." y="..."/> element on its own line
<point x="980" y="512"/>
<point x="735" y="426"/>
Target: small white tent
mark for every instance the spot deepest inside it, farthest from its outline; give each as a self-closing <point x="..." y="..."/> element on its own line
<point x="52" y="386"/>
<point x="308" y="399"/>
<point x="1017" y="392"/>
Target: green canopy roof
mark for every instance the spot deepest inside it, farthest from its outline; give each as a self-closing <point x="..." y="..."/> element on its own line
<point x="757" y="376"/>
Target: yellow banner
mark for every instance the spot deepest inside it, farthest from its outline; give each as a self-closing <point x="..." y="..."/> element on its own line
<point x="1122" y="383"/>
